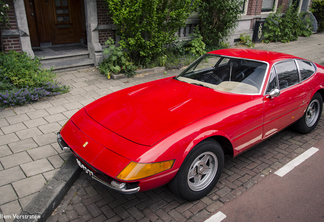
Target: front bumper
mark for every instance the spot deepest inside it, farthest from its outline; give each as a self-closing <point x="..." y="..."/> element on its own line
<point x="125" y="188"/>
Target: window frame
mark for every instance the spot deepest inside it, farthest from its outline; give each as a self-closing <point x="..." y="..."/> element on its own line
<point x="298" y="71"/>
<point x="245" y="7"/>
<point x="275" y="6"/>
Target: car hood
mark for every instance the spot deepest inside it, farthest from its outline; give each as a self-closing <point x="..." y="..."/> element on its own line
<point x="149" y="112"/>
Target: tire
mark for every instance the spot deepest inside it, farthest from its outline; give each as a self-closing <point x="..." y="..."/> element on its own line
<point x="311" y="116"/>
<point x="200" y="171"/>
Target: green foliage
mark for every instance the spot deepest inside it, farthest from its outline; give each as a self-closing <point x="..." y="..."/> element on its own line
<point x="246" y="40"/>
<point x="317" y="8"/>
<point x="162" y="60"/>
<point x="196" y="46"/>
<point x="218" y="18"/>
<point x="178" y="62"/>
<point x="286" y="27"/>
<point x="4" y="20"/>
<point x="23" y="71"/>
<point x="117" y="61"/>
<point x="23" y="81"/>
<point x="146" y="27"/>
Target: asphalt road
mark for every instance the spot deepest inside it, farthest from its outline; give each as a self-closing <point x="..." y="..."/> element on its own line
<point x="296" y="196"/>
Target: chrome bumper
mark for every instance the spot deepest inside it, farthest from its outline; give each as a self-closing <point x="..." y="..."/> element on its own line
<point x="125" y="188"/>
<point x="62" y="143"/>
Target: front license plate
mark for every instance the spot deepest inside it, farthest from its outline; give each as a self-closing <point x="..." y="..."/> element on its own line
<point x="89" y="172"/>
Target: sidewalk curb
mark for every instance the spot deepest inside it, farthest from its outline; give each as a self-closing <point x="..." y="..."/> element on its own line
<point x="50" y="196"/>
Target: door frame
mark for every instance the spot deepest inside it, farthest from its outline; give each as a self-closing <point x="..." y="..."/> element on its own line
<point x="91" y="18"/>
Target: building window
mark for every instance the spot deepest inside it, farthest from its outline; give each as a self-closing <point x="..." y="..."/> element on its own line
<point x="244" y="6"/>
<point x="268" y="5"/>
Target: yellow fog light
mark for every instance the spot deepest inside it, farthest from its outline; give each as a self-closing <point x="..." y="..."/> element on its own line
<point x="135" y="171"/>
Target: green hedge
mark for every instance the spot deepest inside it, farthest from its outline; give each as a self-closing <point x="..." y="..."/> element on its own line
<point x="317" y="8"/>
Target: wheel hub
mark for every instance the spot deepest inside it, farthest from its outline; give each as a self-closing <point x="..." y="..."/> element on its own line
<point x="202" y="171"/>
<point x="312" y="113"/>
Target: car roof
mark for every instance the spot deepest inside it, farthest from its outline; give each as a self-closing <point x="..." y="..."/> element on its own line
<point x="254" y="54"/>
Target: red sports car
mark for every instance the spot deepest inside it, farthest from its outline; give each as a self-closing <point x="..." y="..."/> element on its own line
<point x="177" y="130"/>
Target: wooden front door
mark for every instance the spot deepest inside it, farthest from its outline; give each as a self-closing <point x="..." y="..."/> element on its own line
<point x="53" y="22"/>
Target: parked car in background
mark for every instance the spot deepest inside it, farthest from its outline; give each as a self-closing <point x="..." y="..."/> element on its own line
<point x="177" y="130"/>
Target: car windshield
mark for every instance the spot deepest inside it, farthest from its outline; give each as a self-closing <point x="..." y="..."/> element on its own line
<point x="226" y="74"/>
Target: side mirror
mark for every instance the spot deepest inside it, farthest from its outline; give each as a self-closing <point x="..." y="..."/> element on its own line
<point x="274" y="93"/>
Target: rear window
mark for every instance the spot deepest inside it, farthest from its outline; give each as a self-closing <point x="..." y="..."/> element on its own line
<point x="306" y="69"/>
<point x="287" y="74"/>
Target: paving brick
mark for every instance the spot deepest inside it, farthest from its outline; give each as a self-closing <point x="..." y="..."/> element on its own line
<point x="58" y="102"/>
<point x="197" y="207"/>
<point x="71" y="214"/>
<point x="150" y="214"/>
<point x="24" y="201"/>
<point x="29" y="185"/>
<point x="28" y="133"/>
<point x="24" y="109"/>
<point x="9" y="138"/>
<point x="36" y="167"/>
<point x="50" y="128"/>
<point x="11" y="175"/>
<point x="3" y="122"/>
<point x="42" y="104"/>
<point x="99" y="218"/>
<point x="42" y="152"/>
<point x="81" y="209"/>
<point x="135" y="213"/>
<point x="73" y="105"/>
<point x="17" y="118"/>
<point x="4" y="151"/>
<point x="50" y="174"/>
<point x="55" y="109"/>
<point x="91" y="191"/>
<point x="227" y="198"/>
<point x="94" y="210"/>
<point x="92" y="200"/>
<point x="163" y="215"/>
<point x="22" y="145"/>
<point x="15" y="160"/>
<point x="223" y="192"/>
<point x="77" y="91"/>
<point x="10" y="209"/>
<point x="176" y="216"/>
<point x="7" y="113"/>
<point x="37" y="114"/>
<point x="55" y="118"/>
<point x="65" y="155"/>
<point x="7" y="194"/>
<point x="35" y="122"/>
<point x="13" y="128"/>
<point x="107" y="211"/>
<point x="87" y="101"/>
<point x="56" y="161"/>
<point x="45" y="139"/>
<point x="70" y="113"/>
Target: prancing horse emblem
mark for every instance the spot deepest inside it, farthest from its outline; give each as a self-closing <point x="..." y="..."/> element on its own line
<point x="85" y="144"/>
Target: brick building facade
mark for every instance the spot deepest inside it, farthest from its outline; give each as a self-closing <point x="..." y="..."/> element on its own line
<point x="36" y="24"/>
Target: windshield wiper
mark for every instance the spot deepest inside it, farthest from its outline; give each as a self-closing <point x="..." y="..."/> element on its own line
<point x="197" y="84"/>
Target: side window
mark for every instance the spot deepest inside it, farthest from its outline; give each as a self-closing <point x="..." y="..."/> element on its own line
<point x="273" y="82"/>
<point x="306" y="69"/>
<point x="287" y="74"/>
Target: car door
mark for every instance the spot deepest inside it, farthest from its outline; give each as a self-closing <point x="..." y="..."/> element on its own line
<point x="283" y="109"/>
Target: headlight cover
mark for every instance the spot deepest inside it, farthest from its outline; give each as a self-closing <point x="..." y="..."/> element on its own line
<point x="136" y="171"/>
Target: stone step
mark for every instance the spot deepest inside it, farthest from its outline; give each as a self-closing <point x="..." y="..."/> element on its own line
<point x="61" y="58"/>
<point x="67" y="64"/>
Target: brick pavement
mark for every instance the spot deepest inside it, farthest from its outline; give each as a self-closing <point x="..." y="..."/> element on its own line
<point x="30" y="156"/>
<point x="88" y="200"/>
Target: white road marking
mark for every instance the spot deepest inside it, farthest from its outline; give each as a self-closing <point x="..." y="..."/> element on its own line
<point x="295" y="162"/>
<point x="216" y="217"/>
